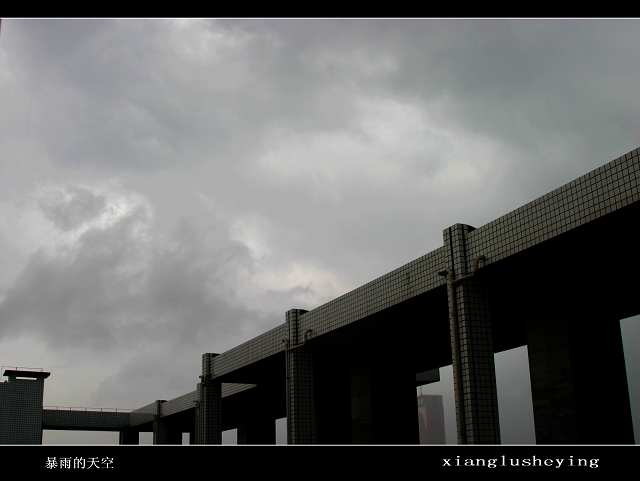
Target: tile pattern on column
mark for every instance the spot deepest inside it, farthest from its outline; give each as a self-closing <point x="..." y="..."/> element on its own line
<point x="476" y="362"/>
<point x="160" y="428"/>
<point x="211" y="405"/>
<point x="301" y="424"/>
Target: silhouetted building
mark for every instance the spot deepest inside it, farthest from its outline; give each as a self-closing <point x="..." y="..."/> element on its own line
<point x="21" y="406"/>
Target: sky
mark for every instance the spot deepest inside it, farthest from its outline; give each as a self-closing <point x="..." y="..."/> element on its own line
<point x="170" y="187"/>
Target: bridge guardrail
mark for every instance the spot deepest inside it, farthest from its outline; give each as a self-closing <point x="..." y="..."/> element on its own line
<point x="88" y="409"/>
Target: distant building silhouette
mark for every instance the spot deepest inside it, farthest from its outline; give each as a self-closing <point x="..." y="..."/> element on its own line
<point x="431" y="419"/>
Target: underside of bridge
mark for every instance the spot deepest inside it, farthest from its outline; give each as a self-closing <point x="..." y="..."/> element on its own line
<point x="564" y="299"/>
<point x="364" y="377"/>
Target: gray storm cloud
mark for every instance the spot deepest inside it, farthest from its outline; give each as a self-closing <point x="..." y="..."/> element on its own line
<point x="172" y="187"/>
<point x="73" y="207"/>
<point x="119" y="285"/>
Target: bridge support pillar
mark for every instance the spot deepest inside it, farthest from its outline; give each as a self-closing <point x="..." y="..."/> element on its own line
<point x="383" y="402"/>
<point x="129" y="436"/>
<point x="301" y="410"/>
<point x="333" y="400"/>
<point x="196" y="436"/>
<point x="256" y="424"/>
<point x="165" y="433"/>
<point x="474" y="372"/>
<point x="160" y="428"/>
<point x="256" y="430"/>
<point x="569" y="355"/>
<point x="210" y="409"/>
<point x="160" y="431"/>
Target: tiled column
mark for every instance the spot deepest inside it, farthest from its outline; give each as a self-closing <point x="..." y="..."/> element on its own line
<point x="160" y="426"/>
<point x="211" y="403"/>
<point x="569" y="353"/>
<point x="477" y="410"/>
<point x="197" y="434"/>
<point x="301" y="415"/>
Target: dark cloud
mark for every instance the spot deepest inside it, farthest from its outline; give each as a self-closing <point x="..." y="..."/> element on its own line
<point x="71" y="208"/>
<point x="351" y="143"/>
<point x="157" y="371"/>
<point x="119" y="286"/>
<point x="535" y="85"/>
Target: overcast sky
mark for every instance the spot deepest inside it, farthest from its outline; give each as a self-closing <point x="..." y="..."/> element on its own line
<point x="172" y="187"/>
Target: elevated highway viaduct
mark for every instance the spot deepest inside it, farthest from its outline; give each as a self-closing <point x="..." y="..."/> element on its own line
<point x="556" y="275"/>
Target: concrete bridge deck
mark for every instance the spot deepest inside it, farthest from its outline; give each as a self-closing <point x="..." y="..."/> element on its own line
<point x="82" y="420"/>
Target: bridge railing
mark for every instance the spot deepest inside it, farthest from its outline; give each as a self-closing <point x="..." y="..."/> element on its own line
<point x="88" y="409"/>
<point x="22" y="368"/>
